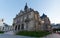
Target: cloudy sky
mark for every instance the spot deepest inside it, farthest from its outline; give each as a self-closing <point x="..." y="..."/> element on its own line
<point x="9" y="9"/>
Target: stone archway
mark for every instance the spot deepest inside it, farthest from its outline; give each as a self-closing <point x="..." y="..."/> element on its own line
<point x="18" y="27"/>
<point x="22" y="26"/>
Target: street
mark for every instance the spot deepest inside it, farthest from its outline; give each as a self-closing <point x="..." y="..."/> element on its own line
<point x="11" y="35"/>
<point x="54" y="35"/>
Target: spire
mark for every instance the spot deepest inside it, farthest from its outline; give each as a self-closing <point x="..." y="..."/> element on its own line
<point x="43" y="16"/>
<point x="26" y="7"/>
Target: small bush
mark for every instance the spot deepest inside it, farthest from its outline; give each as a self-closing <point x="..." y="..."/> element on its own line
<point x="33" y="33"/>
<point x="1" y="31"/>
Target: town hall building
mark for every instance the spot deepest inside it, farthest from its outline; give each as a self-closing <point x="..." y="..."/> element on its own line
<point x="30" y="20"/>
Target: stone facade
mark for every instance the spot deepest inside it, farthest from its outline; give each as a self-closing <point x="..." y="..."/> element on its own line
<point x="28" y="19"/>
<point x="46" y="24"/>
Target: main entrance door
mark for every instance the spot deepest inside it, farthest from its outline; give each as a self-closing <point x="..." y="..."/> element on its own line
<point x="22" y="26"/>
<point x="16" y="27"/>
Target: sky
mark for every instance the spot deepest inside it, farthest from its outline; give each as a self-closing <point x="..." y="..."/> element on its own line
<point x="9" y="9"/>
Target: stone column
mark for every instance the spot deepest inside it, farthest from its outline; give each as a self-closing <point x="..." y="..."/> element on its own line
<point x="13" y="27"/>
<point x="26" y="26"/>
<point x="20" y="27"/>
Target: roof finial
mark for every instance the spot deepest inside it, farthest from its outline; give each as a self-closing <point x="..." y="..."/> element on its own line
<point x="26" y="7"/>
<point x="26" y="3"/>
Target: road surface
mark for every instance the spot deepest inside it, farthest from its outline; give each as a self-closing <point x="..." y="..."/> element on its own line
<point x="54" y="35"/>
<point x="11" y="35"/>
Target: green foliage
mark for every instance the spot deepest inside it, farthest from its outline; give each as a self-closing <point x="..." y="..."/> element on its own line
<point x="33" y="33"/>
<point x="1" y="31"/>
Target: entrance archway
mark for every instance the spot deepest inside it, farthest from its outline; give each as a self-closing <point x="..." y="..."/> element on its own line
<point x="22" y="26"/>
<point x="16" y="27"/>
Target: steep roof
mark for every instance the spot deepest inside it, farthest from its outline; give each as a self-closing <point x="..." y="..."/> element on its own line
<point x="43" y="16"/>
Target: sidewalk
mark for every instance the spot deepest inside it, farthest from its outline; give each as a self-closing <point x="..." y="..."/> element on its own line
<point x="10" y="32"/>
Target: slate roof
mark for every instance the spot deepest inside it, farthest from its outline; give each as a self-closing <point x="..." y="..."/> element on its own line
<point x="43" y="16"/>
